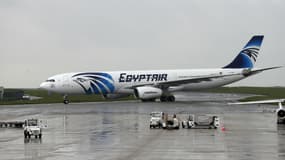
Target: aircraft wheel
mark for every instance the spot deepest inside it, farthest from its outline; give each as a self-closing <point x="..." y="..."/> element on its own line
<point x="167" y="98"/>
<point x="171" y="98"/>
<point x="65" y="101"/>
<point x="148" y="100"/>
<point x="163" y="99"/>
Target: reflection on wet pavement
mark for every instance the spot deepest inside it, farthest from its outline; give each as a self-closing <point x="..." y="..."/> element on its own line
<point x="120" y="130"/>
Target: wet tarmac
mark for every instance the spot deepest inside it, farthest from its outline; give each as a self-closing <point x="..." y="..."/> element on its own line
<point x="120" y="130"/>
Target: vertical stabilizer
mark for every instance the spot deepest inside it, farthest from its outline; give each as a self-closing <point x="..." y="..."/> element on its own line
<point x="248" y="55"/>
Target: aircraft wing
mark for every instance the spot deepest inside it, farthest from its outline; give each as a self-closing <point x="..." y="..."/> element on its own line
<point x="196" y="79"/>
<point x="279" y="101"/>
<point x="261" y="102"/>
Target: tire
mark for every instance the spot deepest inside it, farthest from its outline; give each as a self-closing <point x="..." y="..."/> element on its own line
<point x="163" y="99"/>
<point x="171" y="99"/>
<point x="40" y="136"/>
<point x="36" y="136"/>
<point x="148" y="100"/>
<point x="65" y="101"/>
<point x="167" y="98"/>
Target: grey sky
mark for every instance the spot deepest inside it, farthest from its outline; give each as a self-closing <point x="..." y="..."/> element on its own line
<point x="42" y="38"/>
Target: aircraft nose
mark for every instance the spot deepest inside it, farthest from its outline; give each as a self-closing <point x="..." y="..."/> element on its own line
<point x="43" y="85"/>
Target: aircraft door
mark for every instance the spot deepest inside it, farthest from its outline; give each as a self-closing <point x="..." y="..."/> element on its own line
<point x="66" y="82"/>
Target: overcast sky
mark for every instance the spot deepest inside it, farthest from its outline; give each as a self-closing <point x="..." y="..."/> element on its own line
<point x="41" y="38"/>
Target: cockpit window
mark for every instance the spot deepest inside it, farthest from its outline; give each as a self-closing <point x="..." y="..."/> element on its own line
<point x="50" y="80"/>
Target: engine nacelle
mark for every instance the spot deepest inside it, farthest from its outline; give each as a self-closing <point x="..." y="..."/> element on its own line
<point x="281" y="113"/>
<point x="115" y="96"/>
<point x="147" y="92"/>
<point x="280" y="116"/>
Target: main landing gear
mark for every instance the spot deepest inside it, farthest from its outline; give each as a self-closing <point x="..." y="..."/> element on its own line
<point x="148" y="100"/>
<point x="65" y="99"/>
<point x="169" y="98"/>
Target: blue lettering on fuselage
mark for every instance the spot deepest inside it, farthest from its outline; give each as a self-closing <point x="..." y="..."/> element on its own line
<point x="124" y="77"/>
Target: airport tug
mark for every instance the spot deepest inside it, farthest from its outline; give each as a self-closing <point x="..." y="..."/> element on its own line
<point x="170" y="122"/>
<point x="32" y="127"/>
<point x="156" y="119"/>
<point x="163" y="120"/>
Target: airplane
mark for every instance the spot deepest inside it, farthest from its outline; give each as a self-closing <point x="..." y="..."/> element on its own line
<point x="150" y="85"/>
<point x="280" y="112"/>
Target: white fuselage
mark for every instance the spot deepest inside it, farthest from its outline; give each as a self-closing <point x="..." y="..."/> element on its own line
<point x="152" y="84"/>
<point x="123" y="82"/>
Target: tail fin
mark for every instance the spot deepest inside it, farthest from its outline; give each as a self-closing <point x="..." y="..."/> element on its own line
<point x="247" y="56"/>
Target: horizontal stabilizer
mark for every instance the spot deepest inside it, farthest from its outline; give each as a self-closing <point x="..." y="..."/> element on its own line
<point x="250" y="72"/>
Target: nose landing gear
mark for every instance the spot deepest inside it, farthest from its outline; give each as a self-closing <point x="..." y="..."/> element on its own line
<point x="65" y="99"/>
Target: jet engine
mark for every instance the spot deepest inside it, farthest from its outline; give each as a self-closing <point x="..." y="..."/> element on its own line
<point x="148" y="93"/>
<point x="280" y="115"/>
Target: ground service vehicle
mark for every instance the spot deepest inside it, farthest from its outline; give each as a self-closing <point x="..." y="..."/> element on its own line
<point x="201" y="121"/>
<point x="32" y="127"/>
<point x="170" y="122"/>
<point x="156" y="119"/>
